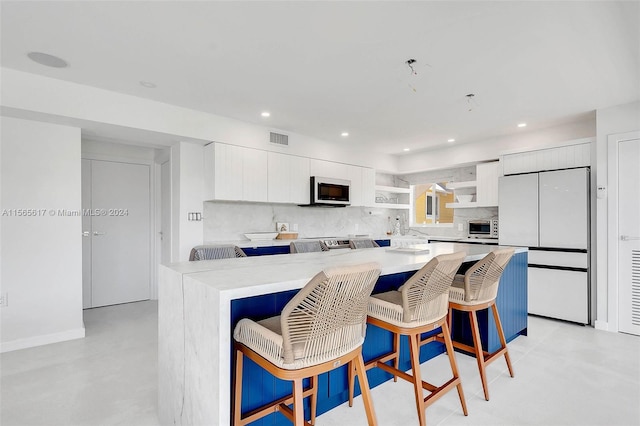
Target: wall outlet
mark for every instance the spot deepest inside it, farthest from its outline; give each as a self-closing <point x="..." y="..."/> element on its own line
<point x="460" y="227"/>
<point x="294" y="227"/>
<point x="282" y="227"/>
<point x="4" y="299"/>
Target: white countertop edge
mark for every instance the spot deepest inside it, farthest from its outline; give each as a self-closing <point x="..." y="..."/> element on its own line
<point x="229" y="290"/>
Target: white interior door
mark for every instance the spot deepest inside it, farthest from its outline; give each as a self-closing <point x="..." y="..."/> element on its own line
<point x="86" y="234"/>
<point x="165" y="212"/>
<point x="120" y="227"/>
<point x="629" y="236"/>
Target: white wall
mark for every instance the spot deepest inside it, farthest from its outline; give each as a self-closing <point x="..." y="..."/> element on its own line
<point x="187" y="177"/>
<point x="490" y="149"/>
<point x="614" y="120"/>
<point x="25" y="94"/>
<point x="42" y="255"/>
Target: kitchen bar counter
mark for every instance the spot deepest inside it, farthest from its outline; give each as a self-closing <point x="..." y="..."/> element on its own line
<point x="200" y="302"/>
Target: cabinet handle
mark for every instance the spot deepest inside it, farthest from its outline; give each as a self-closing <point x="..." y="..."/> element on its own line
<point x="96" y="233"/>
<point x="628" y="238"/>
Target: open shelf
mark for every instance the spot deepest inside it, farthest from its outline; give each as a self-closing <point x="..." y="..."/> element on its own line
<point x="393" y="189"/>
<point x="466" y="184"/>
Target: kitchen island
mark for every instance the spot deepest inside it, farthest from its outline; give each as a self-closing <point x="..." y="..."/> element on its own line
<point x="200" y="303"/>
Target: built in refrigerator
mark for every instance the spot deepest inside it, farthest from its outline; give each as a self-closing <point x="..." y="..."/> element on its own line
<point x="549" y="213"/>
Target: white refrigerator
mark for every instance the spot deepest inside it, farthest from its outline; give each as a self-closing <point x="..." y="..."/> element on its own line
<point x="549" y="213"/>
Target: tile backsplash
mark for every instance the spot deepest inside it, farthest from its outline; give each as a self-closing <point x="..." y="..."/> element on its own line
<point x="228" y="221"/>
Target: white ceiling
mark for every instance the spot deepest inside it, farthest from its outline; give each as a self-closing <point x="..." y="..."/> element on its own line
<point x="322" y="68"/>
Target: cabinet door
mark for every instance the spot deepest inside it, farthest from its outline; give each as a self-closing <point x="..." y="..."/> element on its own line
<point x="355" y="176"/>
<point x="228" y="172"/>
<point x="518" y="207"/>
<point x="299" y="182"/>
<point x="487" y="183"/>
<point x="254" y="175"/>
<point x="278" y="181"/>
<point x="329" y="169"/>
<point x="368" y="187"/>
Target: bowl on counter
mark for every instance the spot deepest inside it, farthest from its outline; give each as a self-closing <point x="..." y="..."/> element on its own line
<point x="464" y="198"/>
<point x="261" y="236"/>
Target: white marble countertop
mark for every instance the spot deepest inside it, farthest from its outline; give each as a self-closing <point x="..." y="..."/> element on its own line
<point x="251" y="276"/>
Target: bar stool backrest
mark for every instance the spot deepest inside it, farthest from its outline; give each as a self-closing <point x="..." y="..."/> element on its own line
<point x="327" y="317"/>
<point x="482" y="279"/>
<point x="362" y="243"/>
<point x="307" y="246"/>
<point x="216" y="252"/>
<point x="425" y="296"/>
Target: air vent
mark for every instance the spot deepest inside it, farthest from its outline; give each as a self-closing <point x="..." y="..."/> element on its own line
<point x="279" y="138"/>
<point x="635" y="287"/>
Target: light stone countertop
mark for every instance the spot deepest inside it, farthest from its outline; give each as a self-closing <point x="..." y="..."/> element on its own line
<point x="251" y="276"/>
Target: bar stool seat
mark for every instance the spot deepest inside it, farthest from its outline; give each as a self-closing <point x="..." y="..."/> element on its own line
<point x="215" y="252"/>
<point x="320" y="329"/>
<point x="418" y="307"/>
<point x="474" y="291"/>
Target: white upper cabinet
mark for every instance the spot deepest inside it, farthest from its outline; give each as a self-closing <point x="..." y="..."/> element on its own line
<point x="222" y="172"/>
<point x="329" y="169"/>
<point x="487" y="183"/>
<point x="234" y="173"/>
<point x="288" y="179"/>
<point x="368" y="186"/>
<point x="355" y="191"/>
<point x="254" y="175"/>
<point x="562" y="157"/>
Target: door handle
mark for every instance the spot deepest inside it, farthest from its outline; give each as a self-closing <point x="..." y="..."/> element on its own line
<point x="96" y="233"/>
<point x="86" y="233"/>
<point x="628" y="238"/>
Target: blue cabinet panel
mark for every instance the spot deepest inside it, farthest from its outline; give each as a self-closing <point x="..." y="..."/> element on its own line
<point x="266" y="251"/>
<point x="383" y="243"/>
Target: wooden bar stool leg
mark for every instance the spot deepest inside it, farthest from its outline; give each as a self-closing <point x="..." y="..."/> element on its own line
<point x="237" y="386"/>
<point x="364" y="387"/>
<point x="503" y="340"/>
<point x="314" y="399"/>
<point x="414" y="346"/>
<point x="477" y="344"/>
<point x="396" y="350"/>
<point x="454" y="365"/>
<point x="298" y="408"/>
<point x="350" y="374"/>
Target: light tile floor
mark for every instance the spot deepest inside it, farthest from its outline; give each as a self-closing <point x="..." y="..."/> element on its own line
<point x="565" y="374"/>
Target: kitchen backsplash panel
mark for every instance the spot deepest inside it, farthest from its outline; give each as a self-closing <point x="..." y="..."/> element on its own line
<point x="228" y="221"/>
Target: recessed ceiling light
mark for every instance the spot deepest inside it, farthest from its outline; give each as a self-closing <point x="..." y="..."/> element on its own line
<point x="522" y="124"/>
<point x="47" y="60"/>
<point x="451" y="140"/>
<point x="344" y="134"/>
<point x="148" y="84"/>
<point x="407" y="149"/>
<point x="266" y="114"/>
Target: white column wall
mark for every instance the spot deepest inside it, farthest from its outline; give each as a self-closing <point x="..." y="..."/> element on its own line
<point x="187" y="175"/>
<point x="41" y="264"/>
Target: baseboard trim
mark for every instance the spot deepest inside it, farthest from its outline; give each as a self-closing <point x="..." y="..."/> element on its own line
<point x="601" y="325"/>
<point x="45" y="339"/>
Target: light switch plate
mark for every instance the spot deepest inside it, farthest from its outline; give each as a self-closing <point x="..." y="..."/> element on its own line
<point x="282" y="227"/>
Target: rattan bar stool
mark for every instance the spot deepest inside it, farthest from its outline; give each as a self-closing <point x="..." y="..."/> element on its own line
<point x="418" y="307"/>
<point x="216" y="252"/>
<point x="362" y="243"/>
<point x="320" y="329"/>
<point x="307" y="246"/>
<point x="476" y="290"/>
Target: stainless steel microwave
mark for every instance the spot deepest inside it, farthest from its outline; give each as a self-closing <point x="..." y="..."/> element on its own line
<point x="483" y="228"/>
<point x="329" y="191"/>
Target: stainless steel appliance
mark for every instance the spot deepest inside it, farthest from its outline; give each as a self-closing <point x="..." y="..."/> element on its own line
<point x="549" y="213"/>
<point x="330" y="192"/>
<point x="481" y="228"/>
